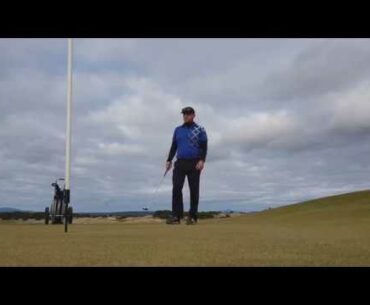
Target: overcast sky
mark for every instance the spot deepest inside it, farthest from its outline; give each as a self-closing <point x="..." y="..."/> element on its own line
<point x="287" y="119"/>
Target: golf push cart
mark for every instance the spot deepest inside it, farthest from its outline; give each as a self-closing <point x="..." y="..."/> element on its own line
<point x="59" y="211"/>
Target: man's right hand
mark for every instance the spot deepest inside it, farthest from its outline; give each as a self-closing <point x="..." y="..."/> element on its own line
<point x="168" y="165"/>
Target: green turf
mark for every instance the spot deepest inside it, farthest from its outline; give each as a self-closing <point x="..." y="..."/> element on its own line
<point x="332" y="231"/>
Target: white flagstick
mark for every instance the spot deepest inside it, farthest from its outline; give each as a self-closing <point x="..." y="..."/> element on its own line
<point x="69" y="120"/>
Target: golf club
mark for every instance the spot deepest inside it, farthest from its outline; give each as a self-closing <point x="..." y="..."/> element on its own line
<point x="159" y="185"/>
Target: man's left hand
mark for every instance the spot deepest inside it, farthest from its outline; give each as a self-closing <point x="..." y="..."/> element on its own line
<point x="200" y="165"/>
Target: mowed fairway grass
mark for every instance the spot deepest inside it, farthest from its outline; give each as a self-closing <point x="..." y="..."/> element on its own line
<point x="332" y="231"/>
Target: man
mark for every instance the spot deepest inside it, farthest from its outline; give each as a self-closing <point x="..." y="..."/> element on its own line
<point x="190" y="142"/>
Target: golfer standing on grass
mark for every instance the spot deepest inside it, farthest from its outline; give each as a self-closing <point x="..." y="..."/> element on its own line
<point x="190" y="142"/>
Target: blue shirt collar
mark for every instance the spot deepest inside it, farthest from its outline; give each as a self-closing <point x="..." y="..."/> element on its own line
<point x="188" y="124"/>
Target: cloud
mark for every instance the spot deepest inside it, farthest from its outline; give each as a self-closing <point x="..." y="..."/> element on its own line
<point x="331" y="65"/>
<point x="124" y="149"/>
<point x="104" y="50"/>
<point x="352" y="110"/>
<point x="259" y="129"/>
<point x="287" y="119"/>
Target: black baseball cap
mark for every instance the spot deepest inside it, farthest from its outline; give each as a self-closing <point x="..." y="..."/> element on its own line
<point x="187" y="110"/>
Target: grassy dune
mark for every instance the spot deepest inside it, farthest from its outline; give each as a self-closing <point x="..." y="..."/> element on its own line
<point x="332" y="231"/>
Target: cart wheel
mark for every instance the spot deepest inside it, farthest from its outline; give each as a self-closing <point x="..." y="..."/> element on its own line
<point x="47" y="216"/>
<point x="54" y="211"/>
<point x="65" y="219"/>
<point x="70" y="215"/>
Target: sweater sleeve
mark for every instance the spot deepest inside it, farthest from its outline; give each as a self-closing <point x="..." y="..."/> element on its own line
<point x="203" y="145"/>
<point x="173" y="148"/>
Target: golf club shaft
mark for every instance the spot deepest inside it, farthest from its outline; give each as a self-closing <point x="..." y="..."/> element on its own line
<point x="159" y="184"/>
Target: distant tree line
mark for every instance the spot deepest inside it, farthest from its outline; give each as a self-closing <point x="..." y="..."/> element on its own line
<point x="22" y="215"/>
<point x="163" y="214"/>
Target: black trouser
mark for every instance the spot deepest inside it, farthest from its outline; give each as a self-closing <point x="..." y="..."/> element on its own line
<point x="181" y="169"/>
